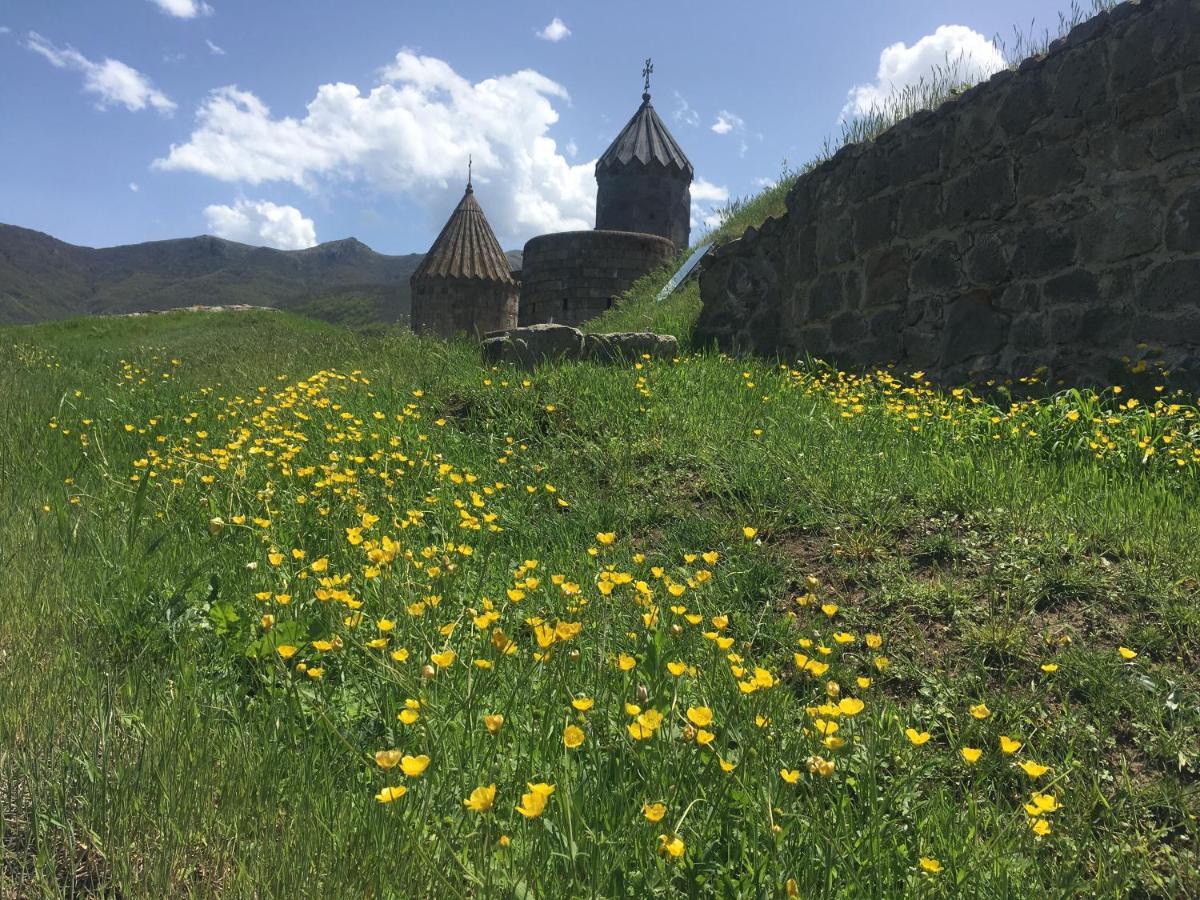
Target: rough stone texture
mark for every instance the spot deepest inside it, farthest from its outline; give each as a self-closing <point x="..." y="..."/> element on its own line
<point x="1048" y="217"/>
<point x="645" y="200"/>
<point x="573" y="276"/>
<point x="450" y="306"/>
<point x="530" y="346"/>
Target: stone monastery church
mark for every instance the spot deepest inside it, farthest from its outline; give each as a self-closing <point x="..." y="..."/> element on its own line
<point x="643" y="209"/>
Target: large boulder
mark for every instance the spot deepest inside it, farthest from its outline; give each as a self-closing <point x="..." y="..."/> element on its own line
<point x="629" y="346"/>
<point x="532" y="345"/>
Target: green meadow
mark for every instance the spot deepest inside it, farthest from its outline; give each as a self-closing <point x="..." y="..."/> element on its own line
<point x="295" y="610"/>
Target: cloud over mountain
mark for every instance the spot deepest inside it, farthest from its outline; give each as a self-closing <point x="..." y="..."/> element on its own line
<point x="262" y="223"/>
<point x="411" y="133"/>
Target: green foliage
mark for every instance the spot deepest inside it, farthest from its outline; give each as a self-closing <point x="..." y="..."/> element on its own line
<point x="154" y="743"/>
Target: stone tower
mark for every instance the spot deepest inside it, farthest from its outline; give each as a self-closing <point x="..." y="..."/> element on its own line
<point x="644" y="179"/>
<point x="464" y="283"/>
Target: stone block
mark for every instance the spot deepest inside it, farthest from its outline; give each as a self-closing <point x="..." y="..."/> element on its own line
<point x="973" y="328"/>
<point x="937" y="268"/>
<point x="825" y="298"/>
<point x="629" y="346"/>
<point x="1173" y="285"/>
<point x="1043" y="249"/>
<point x="918" y="209"/>
<point x="847" y="328"/>
<point x="985" y="262"/>
<point x="873" y="223"/>
<point x="1075" y="286"/>
<point x="1176" y="132"/>
<point x="1081" y="81"/>
<point x="835" y="242"/>
<point x="886" y="277"/>
<point x="532" y="345"/>
<point x="1023" y="101"/>
<point x="1120" y="228"/>
<point x="1048" y="171"/>
<point x="1183" y="222"/>
<point x="983" y="192"/>
<point x="1151" y="101"/>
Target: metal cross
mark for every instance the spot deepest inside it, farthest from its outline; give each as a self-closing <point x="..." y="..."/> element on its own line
<point x="469" y="161"/>
<point x="646" y="74"/>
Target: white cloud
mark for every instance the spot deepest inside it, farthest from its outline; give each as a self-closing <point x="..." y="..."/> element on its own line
<point x="184" y="9"/>
<point x="706" y="199"/>
<point x="684" y="113"/>
<point x="727" y="122"/>
<point x="555" y="31"/>
<point x="213" y="48"/>
<point x="4" y="29"/>
<point x="112" y="80"/>
<point x="410" y="133"/>
<point x="572" y="148"/>
<point x="261" y="223"/>
<point x="962" y="51"/>
<point x="133" y="186"/>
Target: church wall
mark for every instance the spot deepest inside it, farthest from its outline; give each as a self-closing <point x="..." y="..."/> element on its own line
<point x="574" y="276"/>
<point x="450" y="306"/>
<point x="644" y="201"/>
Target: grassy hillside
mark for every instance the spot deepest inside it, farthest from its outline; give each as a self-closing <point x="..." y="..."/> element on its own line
<point x="763" y="630"/>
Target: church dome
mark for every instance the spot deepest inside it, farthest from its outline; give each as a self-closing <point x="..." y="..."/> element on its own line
<point x="645" y="141"/>
<point x="466" y="247"/>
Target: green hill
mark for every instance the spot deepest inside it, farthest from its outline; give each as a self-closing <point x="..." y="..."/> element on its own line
<point x="43" y="278"/>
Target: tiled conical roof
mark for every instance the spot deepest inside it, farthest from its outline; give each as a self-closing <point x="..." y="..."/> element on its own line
<point x="466" y="248"/>
<point x="645" y="140"/>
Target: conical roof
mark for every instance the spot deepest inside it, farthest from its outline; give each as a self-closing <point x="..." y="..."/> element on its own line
<point x="645" y="140"/>
<point x="466" y="248"/>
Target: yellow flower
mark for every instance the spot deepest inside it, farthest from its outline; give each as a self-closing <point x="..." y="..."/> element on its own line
<point x="606" y="537"/>
<point x="320" y="565"/>
<point x="710" y="558"/>
<point x="1040" y="827"/>
<point x="726" y="765"/>
<point x="850" y="706"/>
<point x="749" y="532"/>
<point x="917" y="737"/>
<point x="388" y="794"/>
<point x="1126" y="653"/>
<point x="443" y="659"/>
<point x="820" y="766"/>
<point x="676" y="668"/>
<point x="671" y="847"/>
<point x="315" y="672"/>
<point x="843" y="637"/>
<point x="275" y="558"/>
<point x="830" y="609"/>
<point x="400" y="655"/>
<point x="863" y="683"/>
<point x="493" y="723"/>
<point x="625" y="662"/>
<point x="583" y="704"/>
<point x="1050" y="667"/>
<point x="286" y="651"/>
<point x="413" y="766"/>
<point x="1034" y="770"/>
<point x="481" y="799"/>
<point x="699" y="716"/>
<point x="1045" y="803"/>
<point x="874" y="641"/>
<point x="572" y="737"/>
<point x="931" y="865"/>
<point x="387" y="759"/>
<point x="1008" y="746"/>
<point x="791" y="776"/>
<point x="654" y="811"/>
<point x="408" y="716"/>
<point x="704" y="738"/>
<point x="980" y="711"/>
<point x="533" y="803"/>
<point x="971" y="755"/>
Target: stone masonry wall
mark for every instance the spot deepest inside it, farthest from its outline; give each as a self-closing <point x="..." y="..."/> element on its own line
<point x="450" y="306"/>
<point x="650" y="202"/>
<point x="1049" y="217"/>
<point x="570" y="277"/>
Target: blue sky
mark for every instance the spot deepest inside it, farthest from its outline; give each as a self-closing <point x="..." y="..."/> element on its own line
<point x="292" y="121"/>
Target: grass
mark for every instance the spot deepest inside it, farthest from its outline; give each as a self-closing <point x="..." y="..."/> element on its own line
<point x="157" y="475"/>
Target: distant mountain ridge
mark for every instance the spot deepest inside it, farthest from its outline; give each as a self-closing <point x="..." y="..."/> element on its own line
<point x="44" y="278"/>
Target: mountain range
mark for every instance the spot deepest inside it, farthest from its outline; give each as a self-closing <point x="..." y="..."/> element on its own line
<point x="346" y="281"/>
